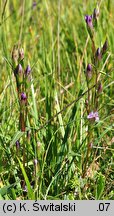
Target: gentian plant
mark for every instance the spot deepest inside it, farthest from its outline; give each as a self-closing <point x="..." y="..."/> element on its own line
<point x="92" y="73"/>
<point x="23" y="79"/>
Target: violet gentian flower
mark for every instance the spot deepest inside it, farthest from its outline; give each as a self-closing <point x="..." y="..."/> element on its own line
<point x="18" y="70"/>
<point x="93" y="116"/>
<point x="88" y="20"/>
<point x="98" y="54"/>
<point x="28" y="70"/>
<point x="17" y="144"/>
<point x="89" y="67"/>
<point x="23" y="96"/>
<point x="89" y="71"/>
<point x="34" y="4"/>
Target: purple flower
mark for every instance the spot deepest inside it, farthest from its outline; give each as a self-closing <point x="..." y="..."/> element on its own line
<point x="98" y="54"/>
<point x="35" y="162"/>
<point x="18" y="70"/>
<point x="34" y="4"/>
<point x="93" y="116"/>
<point x="17" y="144"/>
<point x="23" y="96"/>
<point x="89" y="71"/>
<point x="89" y="67"/>
<point x="28" y="70"/>
<point x="88" y="20"/>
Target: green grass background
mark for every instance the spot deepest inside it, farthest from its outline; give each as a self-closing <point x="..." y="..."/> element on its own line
<point x="57" y="46"/>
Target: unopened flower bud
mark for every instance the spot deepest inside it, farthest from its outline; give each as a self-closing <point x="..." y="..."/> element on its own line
<point x="35" y="162"/>
<point x="15" y="55"/>
<point x="105" y="47"/>
<point x="17" y="145"/>
<point x="89" y="67"/>
<point x="18" y="70"/>
<point x="86" y="102"/>
<point x="28" y="70"/>
<point x="21" y="54"/>
<point x="98" y="54"/>
<point x="95" y="13"/>
<point x="88" y="20"/>
<point x="34" y="4"/>
<point x="89" y="71"/>
<point x="89" y="23"/>
<point x="23" y="96"/>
